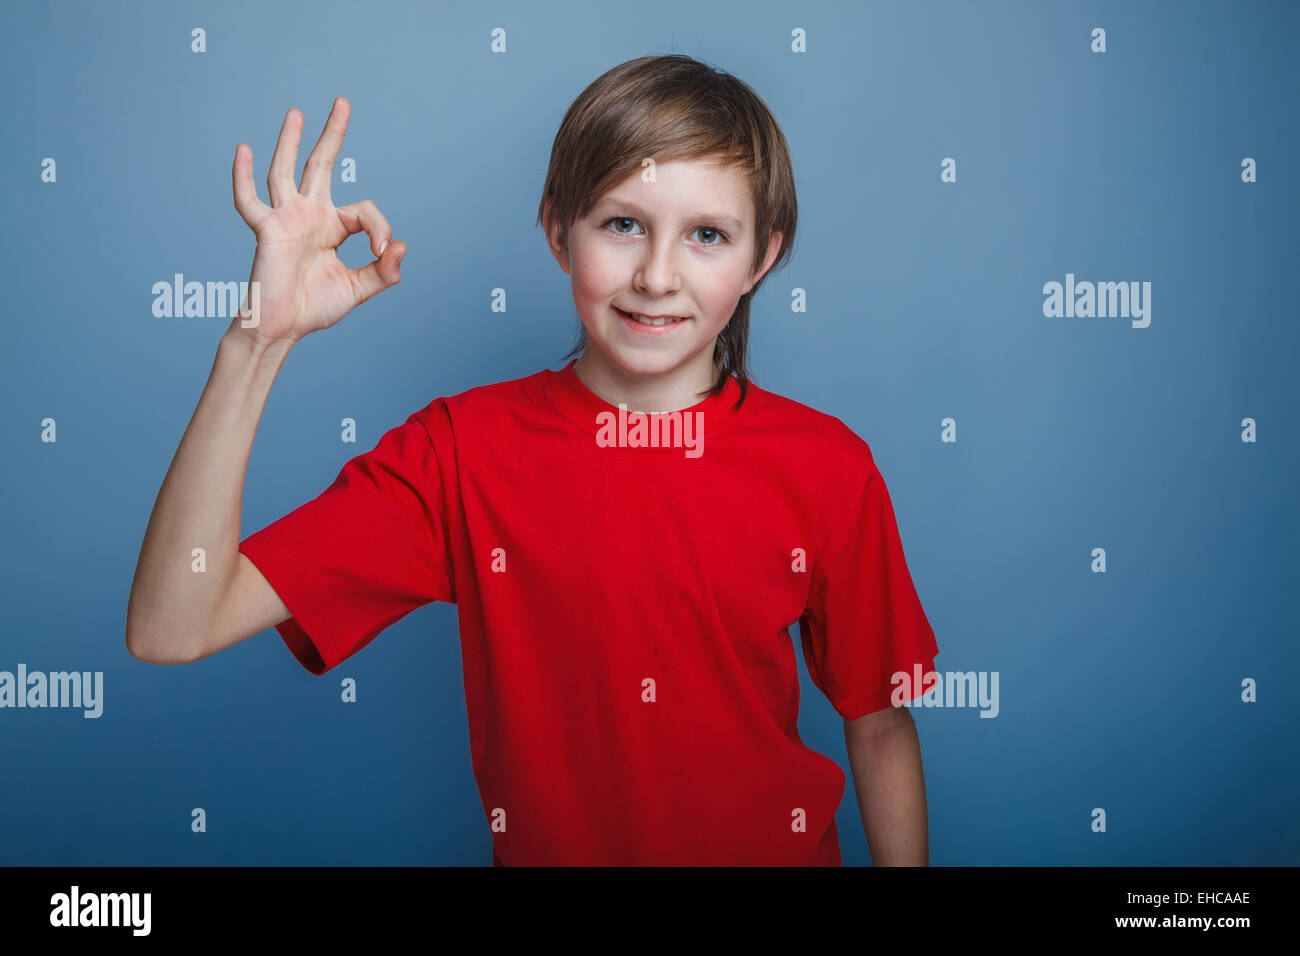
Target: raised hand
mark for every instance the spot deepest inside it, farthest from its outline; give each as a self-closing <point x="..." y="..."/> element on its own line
<point x="302" y="284"/>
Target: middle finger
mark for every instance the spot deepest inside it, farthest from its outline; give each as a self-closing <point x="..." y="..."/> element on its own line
<point x="320" y="164"/>
<point x="279" y="178"/>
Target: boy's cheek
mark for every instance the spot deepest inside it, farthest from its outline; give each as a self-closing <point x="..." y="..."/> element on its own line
<point x="593" y="279"/>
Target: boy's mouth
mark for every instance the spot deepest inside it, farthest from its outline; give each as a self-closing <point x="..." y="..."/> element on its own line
<point x="645" y="321"/>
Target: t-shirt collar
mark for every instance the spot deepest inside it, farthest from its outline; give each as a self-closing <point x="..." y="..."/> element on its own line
<point x="581" y="405"/>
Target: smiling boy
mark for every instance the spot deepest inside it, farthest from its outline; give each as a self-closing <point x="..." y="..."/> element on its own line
<point x="631" y="686"/>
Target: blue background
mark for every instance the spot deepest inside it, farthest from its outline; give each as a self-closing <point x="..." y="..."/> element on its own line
<point x="1118" y="690"/>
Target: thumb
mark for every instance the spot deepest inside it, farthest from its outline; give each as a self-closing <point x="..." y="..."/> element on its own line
<point x="380" y="274"/>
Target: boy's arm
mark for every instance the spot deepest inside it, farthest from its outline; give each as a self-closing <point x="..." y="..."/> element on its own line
<point x="298" y="285"/>
<point x="885" y="757"/>
<point x="175" y="614"/>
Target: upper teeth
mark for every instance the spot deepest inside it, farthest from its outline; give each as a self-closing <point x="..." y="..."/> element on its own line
<point x="645" y="320"/>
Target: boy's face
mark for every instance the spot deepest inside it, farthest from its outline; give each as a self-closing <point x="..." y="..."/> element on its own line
<point x="679" y="246"/>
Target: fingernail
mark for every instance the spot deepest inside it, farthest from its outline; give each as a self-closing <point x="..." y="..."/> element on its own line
<point x="382" y="246"/>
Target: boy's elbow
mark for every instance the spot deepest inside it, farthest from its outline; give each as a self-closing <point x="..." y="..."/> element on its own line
<point x="142" y="648"/>
<point x="134" y="646"/>
<point x="878" y="722"/>
<point x="137" y="648"/>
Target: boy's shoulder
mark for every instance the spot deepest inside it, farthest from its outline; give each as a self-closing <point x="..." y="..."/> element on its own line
<point x="488" y="399"/>
<point x="815" y="432"/>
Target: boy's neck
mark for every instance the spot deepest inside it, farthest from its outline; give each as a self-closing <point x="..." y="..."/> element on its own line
<point x="670" y="391"/>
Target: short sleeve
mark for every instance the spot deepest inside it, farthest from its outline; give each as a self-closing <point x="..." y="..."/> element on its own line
<point x="371" y="548"/>
<point x="864" y="622"/>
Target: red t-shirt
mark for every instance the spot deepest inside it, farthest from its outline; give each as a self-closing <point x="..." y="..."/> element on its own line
<point x="630" y="679"/>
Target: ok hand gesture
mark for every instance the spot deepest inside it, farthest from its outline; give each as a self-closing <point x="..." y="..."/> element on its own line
<point x="302" y="284"/>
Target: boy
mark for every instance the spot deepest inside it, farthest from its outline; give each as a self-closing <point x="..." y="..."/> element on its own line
<point x="628" y="539"/>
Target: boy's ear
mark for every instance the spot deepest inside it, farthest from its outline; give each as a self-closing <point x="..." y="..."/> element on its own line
<point x="773" y="247"/>
<point x="554" y="238"/>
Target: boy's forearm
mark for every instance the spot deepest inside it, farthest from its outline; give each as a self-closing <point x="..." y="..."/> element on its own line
<point x="198" y="506"/>
<point x="885" y="758"/>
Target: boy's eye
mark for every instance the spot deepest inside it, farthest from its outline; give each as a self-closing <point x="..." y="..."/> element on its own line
<point x="715" y="237"/>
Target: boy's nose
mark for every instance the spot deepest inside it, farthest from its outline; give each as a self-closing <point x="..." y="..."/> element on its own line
<point x="658" y="273"/>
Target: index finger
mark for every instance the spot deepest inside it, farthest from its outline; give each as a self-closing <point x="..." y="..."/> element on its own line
<point x="316" y="174"/>
<point x="251" y="209"/>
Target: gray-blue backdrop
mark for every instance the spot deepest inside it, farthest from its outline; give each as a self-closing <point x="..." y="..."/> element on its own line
<point x="1159" y="161"/>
